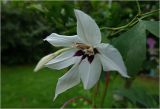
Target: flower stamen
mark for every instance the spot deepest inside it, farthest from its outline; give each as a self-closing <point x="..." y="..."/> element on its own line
<point x="89" y="50"/>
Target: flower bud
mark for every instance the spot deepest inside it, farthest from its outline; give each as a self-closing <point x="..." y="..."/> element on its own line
<point x="43" y="61"/>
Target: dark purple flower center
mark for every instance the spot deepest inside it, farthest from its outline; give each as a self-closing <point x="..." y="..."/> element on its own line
<point x="84" y="55"/>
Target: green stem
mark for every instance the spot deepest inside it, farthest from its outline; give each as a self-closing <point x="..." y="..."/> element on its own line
<point x="117" y="28"/>
<point x="133" y="21"/>
<point x="150" y="12"/>
<point x="138" y="6"/>
<point x="118" y="31"/>
<point x="105" y="90"/>
<point x="127" y="25"/>
<point x="121" y="27"/>
<point x="130" y="24"/>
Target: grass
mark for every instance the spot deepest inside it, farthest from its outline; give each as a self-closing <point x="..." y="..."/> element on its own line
<point x="23" y="88"/>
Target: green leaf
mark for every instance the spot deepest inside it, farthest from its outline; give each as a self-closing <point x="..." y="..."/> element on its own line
<point x="132" y="46"/>
<point x="153" y="27"/>
<point x="138" y="95"/>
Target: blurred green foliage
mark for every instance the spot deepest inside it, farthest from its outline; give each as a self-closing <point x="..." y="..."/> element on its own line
<point x="24" y="24"/>
<point x="139" y="97"/>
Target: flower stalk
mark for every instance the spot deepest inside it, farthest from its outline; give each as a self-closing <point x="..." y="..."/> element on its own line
<point x="95" y="92"/>
<point x="107" y="79"/>
<point x="74" y="99"/>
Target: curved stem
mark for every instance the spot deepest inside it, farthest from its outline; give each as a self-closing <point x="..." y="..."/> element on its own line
<point x="150" y="12"/>
<point x="128" y="25"/>
<point x="133" y="21"/>
<point x="121" y="27"/>
<point x="74" y="99"/>
<point x="105" y="89"/>
<point x="118" y="31"/>
<point x="116" y="28"/>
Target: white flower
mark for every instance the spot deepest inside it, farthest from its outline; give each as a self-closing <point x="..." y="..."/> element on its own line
<point x="87" y="55"/>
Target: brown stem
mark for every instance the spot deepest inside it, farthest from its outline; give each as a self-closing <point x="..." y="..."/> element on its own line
<point x="97" y="88"/>
<point x="74" y="99"/>
<point x="95" y="94"/>
<point x="128" y="83"/>
<point x="105" y="89"/>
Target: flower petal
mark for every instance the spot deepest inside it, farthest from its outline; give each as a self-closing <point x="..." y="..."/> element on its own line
<point x="62" y="40"/>
<point x="87" y="29"/>
<point x="64" y="60"/>
<point x="63" y="56"/>
<point x="90" y="72"/>
<point x="67" y="81"/>
<point x="111" y="59"/>
<point x="62" y="64"/>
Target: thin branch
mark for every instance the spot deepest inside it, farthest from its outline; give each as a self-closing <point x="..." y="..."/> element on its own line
<point x="138" y="6"/>
<point x="118" y="31"/>
<point x="116" y="28"/>
<point x="133" y="21"/>
<point x="151" y="12"/>
<point x="121" y="27"/>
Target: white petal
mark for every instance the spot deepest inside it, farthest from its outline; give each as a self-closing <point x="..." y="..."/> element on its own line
<point x="90" y="72"/>
<point x="87" y="29"/>
<point x="67" y="81"/>
<point x="63" y="56"/>
<point x="111" y="59"/>
<point x="62" y="64"/>
<point x="62" y="40"/>
<point x="64" y="60"/>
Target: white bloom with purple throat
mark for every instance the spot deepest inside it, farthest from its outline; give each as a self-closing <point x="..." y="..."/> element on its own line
<point x="86" y="53"/>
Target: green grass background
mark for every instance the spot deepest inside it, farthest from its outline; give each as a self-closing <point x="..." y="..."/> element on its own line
<point x="23" y="88"/>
